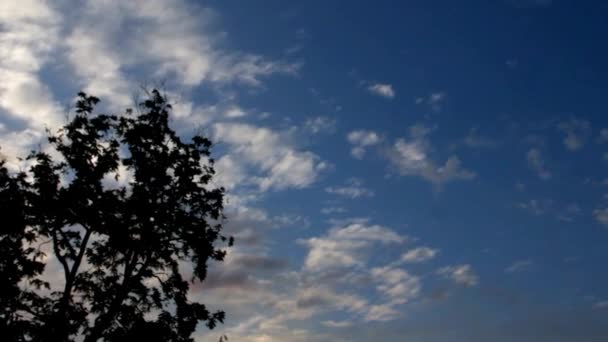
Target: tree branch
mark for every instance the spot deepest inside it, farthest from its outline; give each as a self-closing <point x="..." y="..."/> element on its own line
<point x="77" y="261"/>
<point x="104" y="319"/>
<point x="70" y="247"/>
<point x="61" y="258"/>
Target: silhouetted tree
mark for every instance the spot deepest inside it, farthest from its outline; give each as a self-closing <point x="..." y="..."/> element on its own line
<point x="122" y="247"/>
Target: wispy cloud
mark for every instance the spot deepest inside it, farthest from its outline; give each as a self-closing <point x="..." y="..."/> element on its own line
<point x="419" y="254"/>
<point x="601" y="215"/>
<point x="577" y="132"/>
<point x="537" y="163"/>
<point x="602" y="304"/>
<point x="536" y="207"/>
<point x="337" y="324"/>
<point x="411" y="158"/>
<point x="333" y="210"/>
<point x="461" y="274"/>
<point x="383" y="90"/>
<point x="434" y="101"/>
<point x="353" y="188"/>
<point x="276" y="162"/>
<point x="342" y="247"/>
<point x="603" y="136"/>
<point x="519" y="266"/>
<point x="361" y="140"/>
<point x="320" y="124"/>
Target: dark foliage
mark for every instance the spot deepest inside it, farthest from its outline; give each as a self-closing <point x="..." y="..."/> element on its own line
<point x="120" y="247"/>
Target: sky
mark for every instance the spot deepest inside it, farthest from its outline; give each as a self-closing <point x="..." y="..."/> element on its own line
<point x="395" y="170"/>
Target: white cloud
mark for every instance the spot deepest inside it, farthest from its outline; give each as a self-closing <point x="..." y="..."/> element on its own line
<point x="381" y="313"/>
<point x="337" y="324"/>
<point x="322" y="296"/>
<point x="419" y="254"/>
<point x="603" y="137"/>
<point x="519" y="266"/>
<point x="537" y="163"/>
<point x="320" y="124"/>
<point x="396" y="284"/>
<point x="230" y="172"/>
<point x="474" y="140"/>
<point x="28" y="36"/>
<point x="410" y="157"/>
<point x="234" y="112"/>
<point x="354" y="189"/>
<point x="361" y="139"/>
<point x="536" y="207"/>
<point x="512" y="63"/>
<point x="173" y="40"/>
<point x="16" y="144"/>
<point x="344" y="246"/>
<point x="601" y="215"/>
<point x="107" y="46"/>
<point x="30" y="32"/>
<point x="332" y="210"/>
<point x="569" y="213"/>
<point x="602" y="304"/>
<point x="278" y="164"/>
<point x="383" y="90"/>
<point x="98" y="64"/>
<point x="434" y="101"/>
<point x="461" y="274"/>
<point x="577" y="132"/>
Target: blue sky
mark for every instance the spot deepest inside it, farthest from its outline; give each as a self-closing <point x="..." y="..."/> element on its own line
<point x="420" y="170"/>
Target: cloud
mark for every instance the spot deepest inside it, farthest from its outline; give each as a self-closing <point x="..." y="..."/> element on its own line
<point x="537" y="163"/>
<point x="474" y="140"/>
<point x="337" y="324"/>
<point x="536" y="207"/>
<point x="601" y="215"/>
<point x="434" y="101"/>
<point x="354" y="189"/>
<point x="362" y="139"/>
<point x="410" y="157"/>
<point x="396" y="284"/>
<point x="512" y="63"/>
<point x="569" y="213"/>
<point x="519" y="266"/>
<point x="322" y="296"/>
<point x="106" y="47"/>
<point x="230" y="172"/>
<point x="29" y="35"/>
<point x="603" y="137"/>
<point x="381" y="313"/>
<point x="342" y="258"/>
<point x="577" y="132"/>
<point x="234" y="112"/>
<point x="460" y="274"/>
<point x="333" y="210"/>
<point x="602" y="304"/>
<point x="173" y="40"/>
<point x="419" y="254"/>
<point x="344" y="246"/>
<point x="383" y="90"/>
<point x="320" y="124"/>
<point x="15" y="144"/>
<point x="271" y="155"/>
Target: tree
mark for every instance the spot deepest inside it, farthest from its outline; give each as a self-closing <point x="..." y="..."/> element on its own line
<point x="121" y="246"/>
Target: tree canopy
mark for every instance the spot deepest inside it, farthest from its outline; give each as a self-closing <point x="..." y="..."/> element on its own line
<point x="125" y="208"/>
